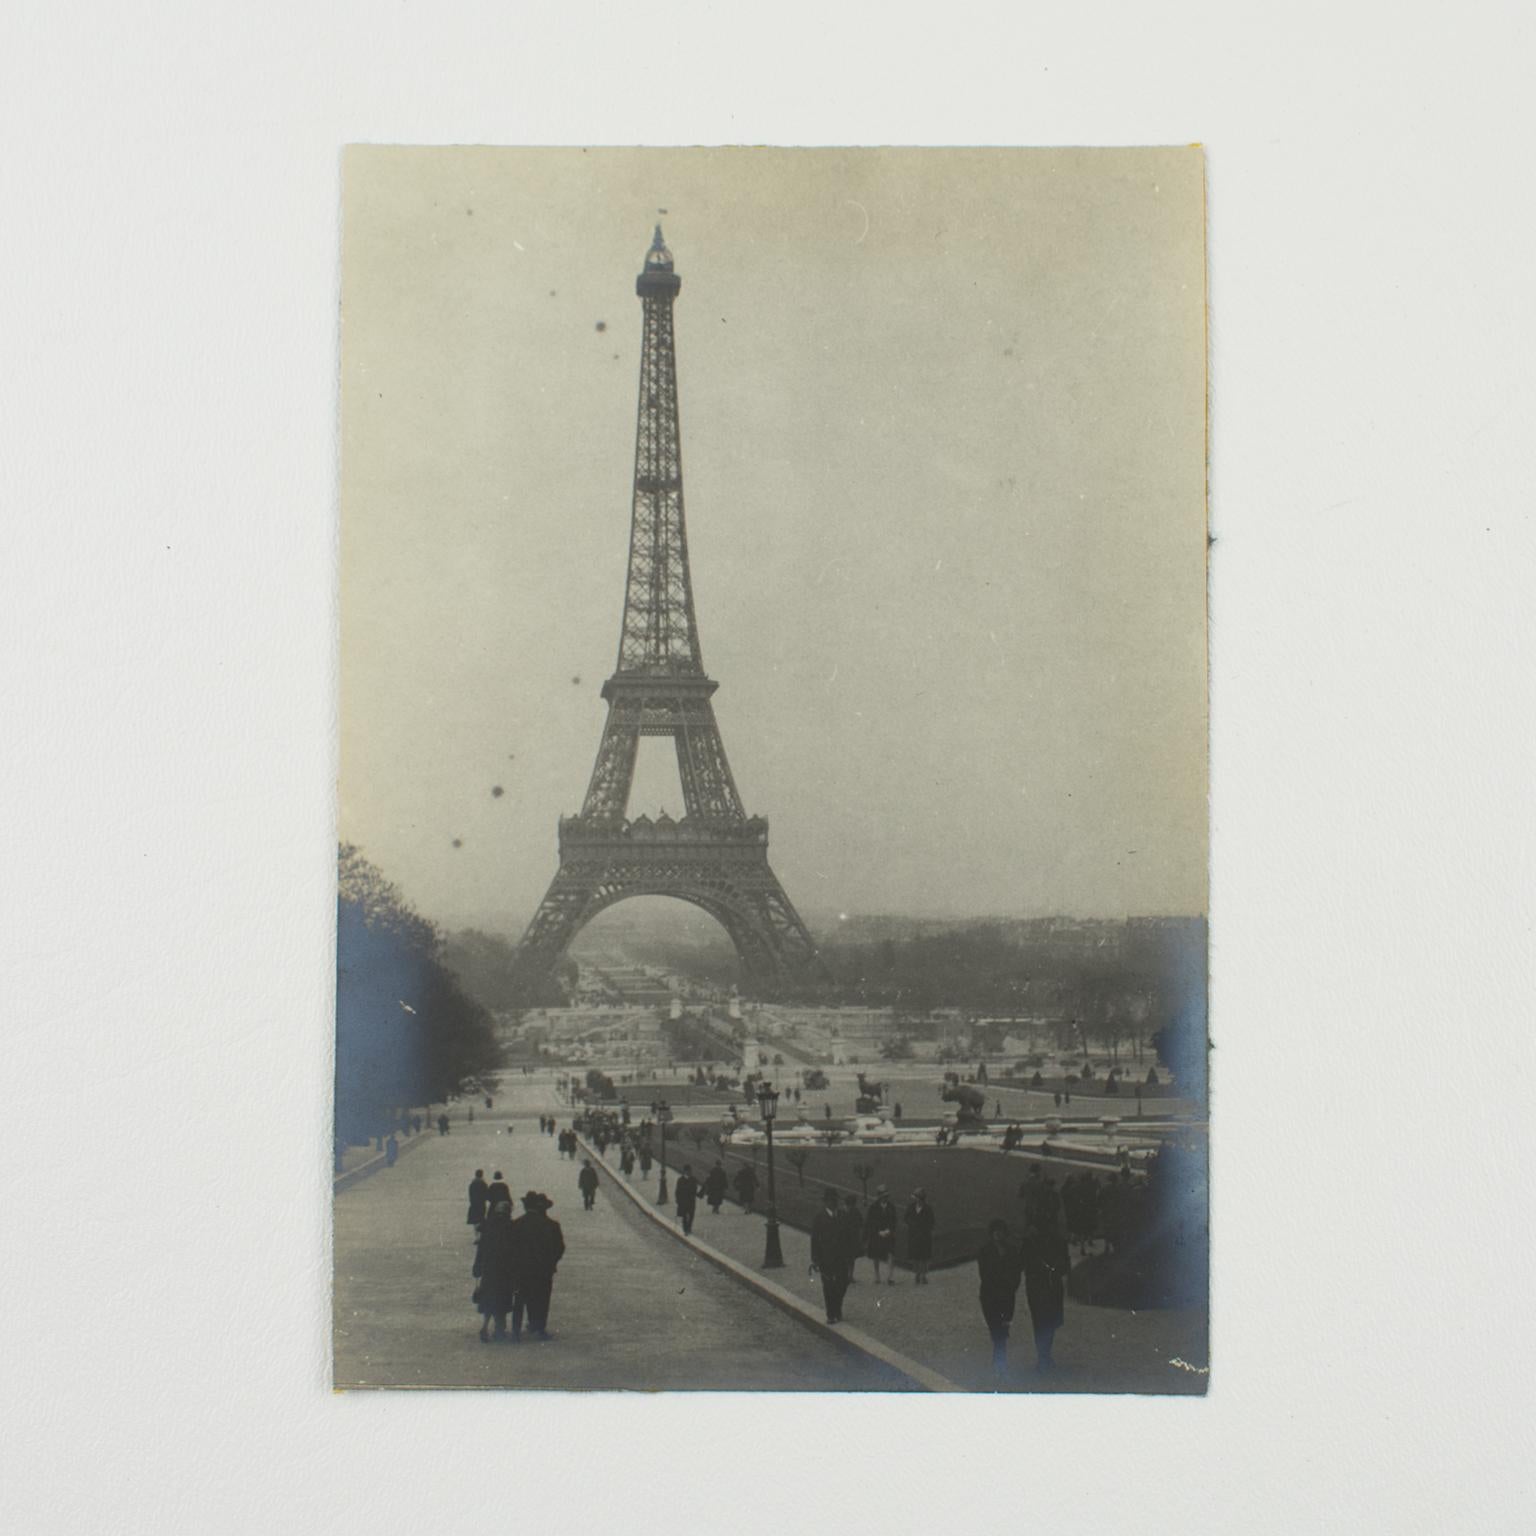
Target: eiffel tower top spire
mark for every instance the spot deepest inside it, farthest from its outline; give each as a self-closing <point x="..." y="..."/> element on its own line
<point x="660" y="635"/>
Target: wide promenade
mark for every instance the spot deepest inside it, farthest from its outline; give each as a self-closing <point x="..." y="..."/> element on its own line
<point x="1099" y="1349"/>
<point x="634" y="1309"/>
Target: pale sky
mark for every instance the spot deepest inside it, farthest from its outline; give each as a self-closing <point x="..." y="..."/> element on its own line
<point x="943" y="429"/>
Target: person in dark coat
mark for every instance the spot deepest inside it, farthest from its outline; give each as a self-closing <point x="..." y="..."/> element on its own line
<point x="999" y="1268"/>
<point x="1046" y="1263"/>
<point x="919" y="1219"/>
<point x="391" y="1150"/>
<point x="645" y="1159"/>
<point x="496" y="1269"/>
<point x="540" y="1247"/>
<point x="627" y="1159"/>
<point x="829" y="1255"/>
<point x="479" y="1195"/>
<point x="442" y="1125"/>
<point x="746" y="1188"/>
<point x="686" y="1197"/>
<point x="853" y="1235"/>
<point x="1042" y="1202"/>
<point x="498" y="1191"/>
<point x="586" y="1181"/>
<point x="715" y="1187"/>
<point x="880" y="1234"/>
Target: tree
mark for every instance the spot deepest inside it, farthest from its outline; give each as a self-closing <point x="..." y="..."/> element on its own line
<point x="798" y="1158"/>
<point x="863" y="1172"/>
<point x="406" y="1032"/>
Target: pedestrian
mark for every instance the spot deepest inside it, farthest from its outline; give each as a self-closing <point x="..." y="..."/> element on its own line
<point x="1046" y="1263"/>
<point x="586" y="1181"/>
<point x="479" y="1194"/>
<point x="826" y="1110"/>
<point x="540" y="1247"/>
<point x="853" y="1235"/>
<point x="489" y="1102"/>
<point x="715" y="1186"/>
<point x="686" y="1198"/>
<point x="1057" y="1097"/>
<point x="391" y="1150"/>
<point x="746" y="1188"/>
<point x="1042" y="1201"/>
<point x="828" y="1255"/>
<point x="498" y="1191"/>
<point x="496" y="1270"/>
<point x="627" y="1159"/>
<point x="645" y="1159"/>
<point x="919" y="1219"/>
<point x="999" y="1268"/>
<point x="880" y="1234"/>
<point x="896" y="1112"/>
<point x="471" y="1114"/>
<point x="442" y="1125"/>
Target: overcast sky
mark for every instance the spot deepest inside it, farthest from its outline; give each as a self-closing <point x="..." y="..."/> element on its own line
<point x="943" y="426"/>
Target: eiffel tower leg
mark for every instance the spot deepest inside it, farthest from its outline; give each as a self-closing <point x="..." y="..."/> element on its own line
<point x="566" y="907"/>
<point x="614" y="771"/>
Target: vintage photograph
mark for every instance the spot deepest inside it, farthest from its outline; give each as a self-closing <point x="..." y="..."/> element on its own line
<point x="771" y="921"/>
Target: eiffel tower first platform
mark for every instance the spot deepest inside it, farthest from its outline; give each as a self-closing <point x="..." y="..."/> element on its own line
<point x="716" y="856"/>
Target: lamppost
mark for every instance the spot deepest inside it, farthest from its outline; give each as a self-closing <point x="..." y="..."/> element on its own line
<point x="768" y="1103"/>
<point x="662" y="1111"/>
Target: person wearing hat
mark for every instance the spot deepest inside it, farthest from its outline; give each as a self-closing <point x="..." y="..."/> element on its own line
<point x="715" y="1186"/>
<point x="498" y="1193"/>
<point x="1045" y="1262"/>
<point x="496" y="1270"/>
<point x="746" y="1188"/>
<point x="880" y="1233"/>
<point x="479" y="1195"/>
<point x="853" y="1235"/>
<point x="686" y="1197"/>
<point x="919" y="1219"/>
<point x="539" y="1248"/>
<point x="586" y="1181"/>
<point x="829" y="1255"/>
<point x="999" y="1268"/>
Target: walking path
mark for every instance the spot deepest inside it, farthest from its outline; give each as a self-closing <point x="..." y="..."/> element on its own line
<point x="1099" y="1349"/>
<point x="633" y="1308"/>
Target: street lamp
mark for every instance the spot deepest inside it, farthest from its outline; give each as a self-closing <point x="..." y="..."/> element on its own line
<point x="768" y="1103"/>
<point x="663" y="1113"/>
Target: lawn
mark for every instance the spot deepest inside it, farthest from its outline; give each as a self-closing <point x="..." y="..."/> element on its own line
<point x="966" y="1188"/>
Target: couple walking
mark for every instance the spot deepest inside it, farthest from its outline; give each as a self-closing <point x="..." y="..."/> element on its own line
<point x="515" y="1263"/>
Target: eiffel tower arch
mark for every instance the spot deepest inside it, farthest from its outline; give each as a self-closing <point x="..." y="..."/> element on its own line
<point x="715" y="856"/>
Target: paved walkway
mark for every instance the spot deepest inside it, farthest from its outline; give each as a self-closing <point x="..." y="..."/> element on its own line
<point x="1099" y="1349"/>
<point x="633" y="1308"/>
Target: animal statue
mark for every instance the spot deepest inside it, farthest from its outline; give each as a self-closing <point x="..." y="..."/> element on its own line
<point x="969" y="1103"/>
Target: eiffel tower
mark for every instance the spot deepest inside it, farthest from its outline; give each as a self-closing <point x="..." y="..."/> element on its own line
<point x="716" y="856"/>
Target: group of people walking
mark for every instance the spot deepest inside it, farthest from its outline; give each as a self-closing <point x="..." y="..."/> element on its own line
<point x="515" y="1259"/>
<point x="841" y="1235"/>
<point x="1036" y="1260"/>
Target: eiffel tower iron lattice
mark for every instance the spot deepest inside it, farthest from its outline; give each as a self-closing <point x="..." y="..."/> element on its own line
<point x="716" y="856"/>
